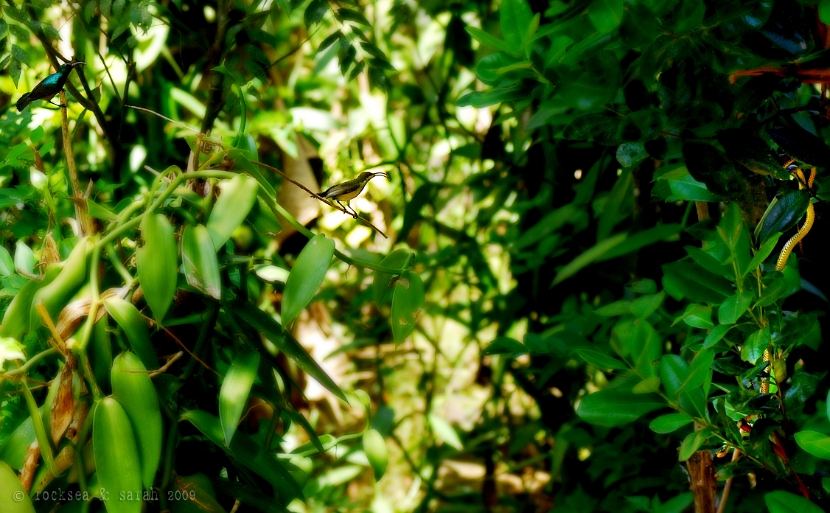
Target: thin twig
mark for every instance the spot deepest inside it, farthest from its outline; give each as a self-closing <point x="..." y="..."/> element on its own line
<point x="314" y="194"/>
<point x="58" y="342"/>
<point x="728" y="486"/>
<point x="167" y="365"/>
<point x="81" y="211"/>
<point x="179" y="123"/>
<point x="174" y="337"/>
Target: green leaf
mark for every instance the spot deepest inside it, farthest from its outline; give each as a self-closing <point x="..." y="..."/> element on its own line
<point x="802" y="145"/>
<point x="374" y="446"/>
<point x="784" y="213"/>
<point x="689" y="16"/>
<point x="505" y="345"/>
<point x="237" y="197"/>
<point x="670" y="422"/>
<point x="692" y="443"/>
<point x="286" y="343"/>
<point x="382" y="281"/>
<point x="351" y="15"/>
<point x="606" y="15"/>
<point x="157" y="265"/>
<point x="639" y="26"/>
<point x="315" y="11"/>
<point x="488" y="40"/>
<point x="233" y="396"/>
<point x="247" y="452"/>
<point x="716" y="335"/>
<point x="201" y="268"/>
<point x="617" y="407"/>
<point x="306" y="276"/>
<point x="587" y="257"/>
<point x="645" y="347"/>
<point x="751" y="151"/>
<point x="601" y="360"/>
<point x="697" y="316"/>
<point x="734" y="307"/>
<point x="815" y="443"/>
<point x="445" y="432"/>
<point x="631" y="153"/>
<point x="824" y="11"/>
<point x="691" y="281"/>
<point x="645" y="306"/>
<point x="700" y="370"/>
<point x="763" y="252"/>
<point x="684" y="187"/>
<point x="780" y="501"/>
<point x="407" y="302"/>
<point x="515" y="19"/>
<point x="135" y="327"/>
<point x="756" y="343"/>
<point x="496" y="95"/>
<point x="13" y="497"/>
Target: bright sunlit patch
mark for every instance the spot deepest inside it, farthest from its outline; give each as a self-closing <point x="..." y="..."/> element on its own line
<point x="619" y="172"/>
<point x="578" y="174"/>
<point x="584" y="453"/>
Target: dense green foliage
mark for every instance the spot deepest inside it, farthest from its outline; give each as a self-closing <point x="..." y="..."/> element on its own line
<point x="586" y="206"/>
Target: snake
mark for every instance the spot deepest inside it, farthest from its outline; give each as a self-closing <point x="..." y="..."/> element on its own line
<point x="808" y="223"/>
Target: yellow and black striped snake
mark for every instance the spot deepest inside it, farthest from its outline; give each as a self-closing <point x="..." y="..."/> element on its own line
<point x="808" y="223"/>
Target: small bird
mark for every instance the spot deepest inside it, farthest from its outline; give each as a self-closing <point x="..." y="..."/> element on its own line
<point x="48" y="87"/>
<point x="350" y="189"/>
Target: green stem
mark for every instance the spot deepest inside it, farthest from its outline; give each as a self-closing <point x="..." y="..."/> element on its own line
<point x="33" y="360"/>
<point x="119" y="267"/>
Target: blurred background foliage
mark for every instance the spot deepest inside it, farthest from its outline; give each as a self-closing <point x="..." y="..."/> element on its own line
<point x="542" y="167"/>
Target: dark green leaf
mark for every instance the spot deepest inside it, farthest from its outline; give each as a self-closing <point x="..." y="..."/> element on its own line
<point x="306" y="276"/>
<point x="617" y="407"/>
<point x="669" y="423"/>
<point x="315" y="12"/>
<point x="802" y="145"/>
<point x="286" y="343"/>
<point x="780" y="501"/>
<point x="350" y="15"/>
<point x="785" y="213"/>
<point x="752" y="152"/>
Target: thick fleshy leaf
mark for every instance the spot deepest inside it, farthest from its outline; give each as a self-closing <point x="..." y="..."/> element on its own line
<point x="407" y="301"/>
<point x="376" y="452"/>
<point x="247" y="452"/>
<point x="237" y="197"/>
<point x="135" y="327"/>
<point x="13" y="497"/>
<point x="286" y="343"/>
<point x="157" y="265"/>
<point x="306" y="276"/>
<point x="133" y="389"/>
<point x="116" y="457"/>
<point x="233" y="396"/>
<point x="201" y="268"/>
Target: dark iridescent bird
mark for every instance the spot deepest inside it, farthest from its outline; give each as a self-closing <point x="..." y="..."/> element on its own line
<point x="48" y="87"/>
<point x="350" y="189"/>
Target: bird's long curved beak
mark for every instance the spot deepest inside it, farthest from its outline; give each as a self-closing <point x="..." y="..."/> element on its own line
<point x="381" y="173"/>
<point x="73" y="64"/>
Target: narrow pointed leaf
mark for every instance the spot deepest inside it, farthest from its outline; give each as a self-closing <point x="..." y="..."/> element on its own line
<point x="233" y="396"/>
<point x="407" y="301"/>
<point x="237" y="197"/>
<point x="306" y="276"/>
<point x="201" y="268"/>
<point x="380" y="286"/>
<point x="246" y="452"/>
<point x="286" y="343"/>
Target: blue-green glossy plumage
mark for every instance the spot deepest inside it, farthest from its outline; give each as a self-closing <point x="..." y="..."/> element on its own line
<point x="48" y="87"/>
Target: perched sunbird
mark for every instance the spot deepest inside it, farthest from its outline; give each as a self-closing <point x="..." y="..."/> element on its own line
<point x="48" y="87"/>
<point x="350" y="189"/>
